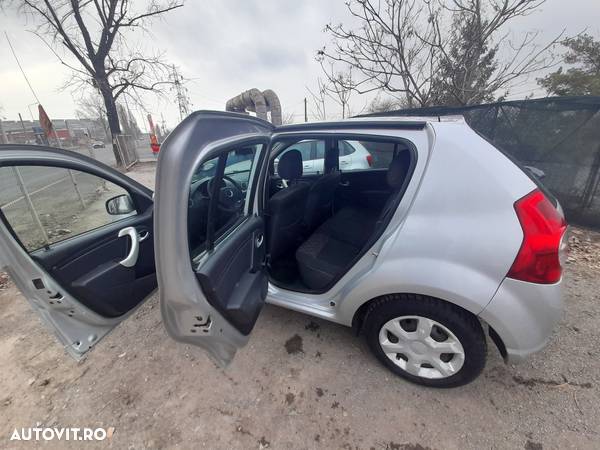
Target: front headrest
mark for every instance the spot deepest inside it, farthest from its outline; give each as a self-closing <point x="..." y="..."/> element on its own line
<point x="290" y="165"/>
<point x="396" y="173"/>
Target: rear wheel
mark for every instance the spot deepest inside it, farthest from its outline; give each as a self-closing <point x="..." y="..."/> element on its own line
<point x="425" y="340"/>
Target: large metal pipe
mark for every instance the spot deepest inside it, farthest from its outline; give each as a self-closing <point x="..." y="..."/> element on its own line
<point x="250" y="100"/>
<point x="273" y="105"/>
<point x="259" y="102"/>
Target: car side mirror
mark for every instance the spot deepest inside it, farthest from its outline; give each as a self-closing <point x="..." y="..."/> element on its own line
<point x="121" y="204"/>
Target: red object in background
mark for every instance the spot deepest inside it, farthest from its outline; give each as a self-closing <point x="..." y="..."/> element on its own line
<point x="370" y="160"/>
<point x="45" y="122"/>
<point x="154" y="145"/>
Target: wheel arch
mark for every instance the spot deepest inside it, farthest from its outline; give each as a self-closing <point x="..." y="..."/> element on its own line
<point x="360" y="315"/>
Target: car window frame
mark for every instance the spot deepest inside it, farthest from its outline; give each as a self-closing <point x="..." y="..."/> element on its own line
<point x="334" y="137"/>
<point x="221" y="153"/>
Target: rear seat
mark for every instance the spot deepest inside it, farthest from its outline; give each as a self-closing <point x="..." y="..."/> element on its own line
<point x="327" y="253"/>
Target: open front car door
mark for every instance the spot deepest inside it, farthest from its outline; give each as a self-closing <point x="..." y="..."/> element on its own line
<point x="77" y="239"/>
<point x="210" y="231"/>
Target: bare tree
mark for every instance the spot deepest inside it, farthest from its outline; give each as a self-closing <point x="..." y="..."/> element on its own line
<point x="338" y="87"/>
<point x="93" y="33"/>
<point x="386" y="104"/>
<point x="288" y="119"/>
<point x="92" y="107"/>
<point x="414" y="50"/>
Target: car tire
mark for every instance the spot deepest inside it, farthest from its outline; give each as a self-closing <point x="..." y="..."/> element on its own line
<point x="451" y="328"/>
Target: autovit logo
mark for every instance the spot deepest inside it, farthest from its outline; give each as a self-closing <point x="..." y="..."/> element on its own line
<point x="61" y="434"/>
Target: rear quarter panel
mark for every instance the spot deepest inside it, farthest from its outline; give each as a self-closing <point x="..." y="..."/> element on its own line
<point x="459" y="236"/>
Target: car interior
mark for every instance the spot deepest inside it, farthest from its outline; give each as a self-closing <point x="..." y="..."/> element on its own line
<point x="319" y="224"/>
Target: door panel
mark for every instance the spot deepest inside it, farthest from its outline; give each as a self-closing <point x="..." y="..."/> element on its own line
<point x="213" y="299"/>
<point x="89" y="267"/>
<point x="75" y="281"/>
<point x="239" y="259"/>
<point x="365" y="188"/>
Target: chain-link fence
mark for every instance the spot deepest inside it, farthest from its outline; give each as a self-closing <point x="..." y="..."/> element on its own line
<point x="81" y="136"/>
<point x="559" y="135"/>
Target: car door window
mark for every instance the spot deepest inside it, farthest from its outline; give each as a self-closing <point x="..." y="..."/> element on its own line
<point x="319" y="164"/>
<point x="45" y="205"/>
<point x="313" y="154"/>
<point x="232" y="193"/>
<point x="303" y="147"/>
<point x="360" y="155"/>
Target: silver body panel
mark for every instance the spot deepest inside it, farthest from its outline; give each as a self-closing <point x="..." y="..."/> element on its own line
<point x="524" y="315"/>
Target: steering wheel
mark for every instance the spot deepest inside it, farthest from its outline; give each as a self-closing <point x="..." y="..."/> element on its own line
<point x="230" y="196"/>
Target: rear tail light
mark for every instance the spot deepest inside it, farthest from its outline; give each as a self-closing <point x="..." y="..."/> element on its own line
<point x="370" y="160"/>
<point x="539" y="258"/>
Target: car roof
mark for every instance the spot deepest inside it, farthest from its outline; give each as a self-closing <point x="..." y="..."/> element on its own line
<point x="407" y="122"/>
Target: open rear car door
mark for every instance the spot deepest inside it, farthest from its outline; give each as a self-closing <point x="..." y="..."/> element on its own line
<point x="210" y="231"/>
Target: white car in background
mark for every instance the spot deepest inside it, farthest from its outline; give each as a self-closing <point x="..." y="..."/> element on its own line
<point x="352" y="156"/>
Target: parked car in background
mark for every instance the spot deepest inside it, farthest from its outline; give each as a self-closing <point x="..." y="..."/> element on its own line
<point x="352" y="156"/>
<point x="424" y="256"/>
<point x="98" y="144"/>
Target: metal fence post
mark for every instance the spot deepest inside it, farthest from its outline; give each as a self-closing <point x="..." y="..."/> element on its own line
<point x="3" y="138"/>
<point x="30" y="206"/>
<point x="92" y="152"/>
<point x="120" y="151"/>
<point x="77" y="191"/>
<point x="81" y="200"/>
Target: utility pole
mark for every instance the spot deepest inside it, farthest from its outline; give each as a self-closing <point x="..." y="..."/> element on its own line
<point x="305" y="110"/>
<point x="3" y="138"/>
<point x="22" y="123"/>
<point x="181" y="95"/>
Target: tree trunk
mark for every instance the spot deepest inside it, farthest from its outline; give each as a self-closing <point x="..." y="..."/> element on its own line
<point x="112" y="116"/>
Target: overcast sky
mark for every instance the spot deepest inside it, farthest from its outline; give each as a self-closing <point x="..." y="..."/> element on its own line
<point x="227" y="46"/>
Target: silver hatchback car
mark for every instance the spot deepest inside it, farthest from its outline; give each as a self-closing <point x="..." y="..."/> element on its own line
<point x="440" y="240"/>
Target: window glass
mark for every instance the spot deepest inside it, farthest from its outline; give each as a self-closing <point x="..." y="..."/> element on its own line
<point x="346" y="148"/>
<point x="320" y="149"/>
<point x="303" y="147"/>
<point x="232" y="194"/>
<point x="382" y="153"/>
<point x="313" y="154"/>
<point x="364" y="155"/>
<point x="44" y="205"/>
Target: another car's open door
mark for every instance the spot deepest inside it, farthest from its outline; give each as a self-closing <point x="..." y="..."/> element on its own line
<point x="210" y="231"/>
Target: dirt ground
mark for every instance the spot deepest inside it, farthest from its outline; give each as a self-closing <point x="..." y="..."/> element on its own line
<point x="300" y="383"/>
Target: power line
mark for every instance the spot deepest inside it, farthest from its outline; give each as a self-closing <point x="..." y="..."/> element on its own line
<point x="20" y="67"/>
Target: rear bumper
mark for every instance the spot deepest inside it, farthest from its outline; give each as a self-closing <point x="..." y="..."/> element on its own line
<point x="524" y="315"/>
